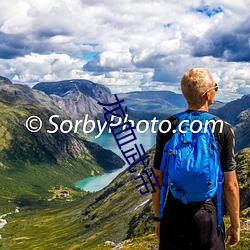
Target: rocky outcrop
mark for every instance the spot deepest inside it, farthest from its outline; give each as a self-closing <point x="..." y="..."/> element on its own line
<point x="232" y="110"/>
<point x="4" y="80"/>
<point x="242" y="130"/>
<point x="78" y="97"/>
<point x="237" y="113"/>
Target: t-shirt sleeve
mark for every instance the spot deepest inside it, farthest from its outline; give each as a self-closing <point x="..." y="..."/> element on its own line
<point x="158" y="150"/>
<point x="227" y="159"/>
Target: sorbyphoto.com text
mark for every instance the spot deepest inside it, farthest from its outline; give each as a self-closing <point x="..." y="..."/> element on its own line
<point x="88" y="126"/>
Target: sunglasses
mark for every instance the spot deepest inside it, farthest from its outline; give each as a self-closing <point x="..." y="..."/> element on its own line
<point x="216" y="87"/>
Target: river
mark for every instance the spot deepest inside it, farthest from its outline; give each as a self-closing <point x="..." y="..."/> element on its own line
<point x="107" y="141"/>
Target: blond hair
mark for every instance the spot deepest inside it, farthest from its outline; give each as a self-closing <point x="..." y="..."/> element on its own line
<point x="195" y="83"/>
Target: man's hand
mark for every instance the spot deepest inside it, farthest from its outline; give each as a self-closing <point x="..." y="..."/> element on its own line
<point x="233" y="236"/>
<point x="157" y="228"/>
<point x="232" y="200"/>
<point x="156" y="200"/>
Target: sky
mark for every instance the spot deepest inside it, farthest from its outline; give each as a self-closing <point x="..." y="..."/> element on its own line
<point x="127" y="45"/>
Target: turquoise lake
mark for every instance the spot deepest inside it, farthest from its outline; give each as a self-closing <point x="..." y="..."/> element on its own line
<point x="107" y="141"/>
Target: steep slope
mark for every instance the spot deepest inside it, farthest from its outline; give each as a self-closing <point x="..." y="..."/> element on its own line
<point x="232" y="110"/>
<point x="77" y="97"/>
<point x="237" y="114"/>
<point x="121" y="208"/>
<point x="4" y="80"/>
<point x="115" y="213"/>
<point x="242" y="130"/>
<point x="106" y="215"/>
<point x="32" y="163"/>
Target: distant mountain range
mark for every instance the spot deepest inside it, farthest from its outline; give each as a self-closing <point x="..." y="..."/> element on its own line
<point x="159" y="104"/>
<point x="149" y="104"/>
<point x="79" y="97"/>
<point x="232" y="110"/>
<point x="76" y="98"/>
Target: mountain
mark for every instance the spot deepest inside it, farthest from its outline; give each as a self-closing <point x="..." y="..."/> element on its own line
<point x="159" y="104"/>
<point x="83" y="222"/>
<point x="4" y="80"/>
<point x="78" y="97"/>
<point x="237" y="113"/>
<point x="31" y="164"/>
<point x="216" y="105"/>
<point x="232" y="110"/>
<point x="242" y="130"/>
<point x="149" y="104"/>
<point x="130" y="213"/>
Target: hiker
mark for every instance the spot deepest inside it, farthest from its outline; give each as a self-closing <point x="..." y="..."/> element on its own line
<point x="188" y="222"/>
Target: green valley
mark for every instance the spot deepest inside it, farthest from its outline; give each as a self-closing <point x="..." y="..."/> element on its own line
<point x="32" y="163"/>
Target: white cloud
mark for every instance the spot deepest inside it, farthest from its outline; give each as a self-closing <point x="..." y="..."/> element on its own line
<point x="140" y="44"/>
<point x="34" y="68"/>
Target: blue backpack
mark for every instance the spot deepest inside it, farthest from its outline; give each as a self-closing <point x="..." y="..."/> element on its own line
<point x="191" y="162"/>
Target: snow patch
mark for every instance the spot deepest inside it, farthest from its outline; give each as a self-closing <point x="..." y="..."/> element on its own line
<point x="142" y="204"/>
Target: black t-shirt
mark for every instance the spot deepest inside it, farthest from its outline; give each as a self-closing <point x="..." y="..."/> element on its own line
<point x="225" y="141"/>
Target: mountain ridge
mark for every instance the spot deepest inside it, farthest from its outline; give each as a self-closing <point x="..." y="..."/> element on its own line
<point x="77" y="97"/>
<point x="4" y="80"/>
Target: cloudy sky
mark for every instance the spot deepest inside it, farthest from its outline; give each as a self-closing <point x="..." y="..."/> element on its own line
<point x="126" y="45"/>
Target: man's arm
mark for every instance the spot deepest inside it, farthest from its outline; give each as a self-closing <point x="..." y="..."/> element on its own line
<point x="231" y="195"/>
<point x="156" y="195"/>
<point x="161" y="139"/>
<point x="156" y="200"/>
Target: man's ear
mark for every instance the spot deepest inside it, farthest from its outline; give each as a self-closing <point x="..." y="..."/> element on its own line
<point x="207" y="95"/>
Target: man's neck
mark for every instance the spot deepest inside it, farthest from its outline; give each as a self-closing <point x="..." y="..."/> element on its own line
<point x="198" y="107"/>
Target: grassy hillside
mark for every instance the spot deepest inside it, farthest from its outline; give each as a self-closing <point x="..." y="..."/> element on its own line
<point x="117" y="213"/>
<point x="150" y="242"/>
<point x="243" y="175"/>
<point x="79" y="224"/>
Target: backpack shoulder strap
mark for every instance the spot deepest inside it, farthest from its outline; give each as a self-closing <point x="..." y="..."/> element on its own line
<point x="208" y="116"/>
<point x="182" y="115"/>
